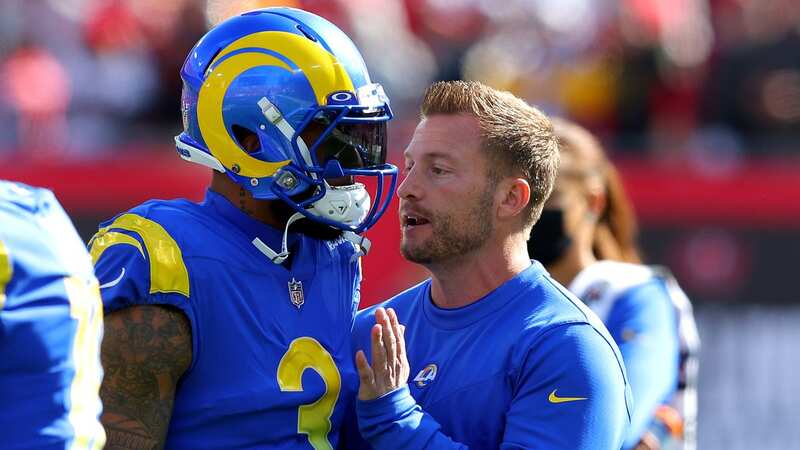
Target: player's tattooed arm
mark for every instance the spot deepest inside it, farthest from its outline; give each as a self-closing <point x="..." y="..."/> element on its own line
<point x="145" y="351"/>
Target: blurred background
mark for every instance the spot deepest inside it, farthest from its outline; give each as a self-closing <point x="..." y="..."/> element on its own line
<point x="697" y="101"/>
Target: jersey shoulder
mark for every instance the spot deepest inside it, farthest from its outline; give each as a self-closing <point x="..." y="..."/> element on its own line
<point x="611" y="276"/>
<point x="38" y="236"/>
<point x="180" y="220"/>
<point x="143" y="251"/>
<point x="551" y="313"/>
<point x="603" y="283"/>
<point x="551" y="305"/>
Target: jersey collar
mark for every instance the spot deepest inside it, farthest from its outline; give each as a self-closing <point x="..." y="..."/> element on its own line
<point x="248" y="225"/>
<point x="456" y="318"/>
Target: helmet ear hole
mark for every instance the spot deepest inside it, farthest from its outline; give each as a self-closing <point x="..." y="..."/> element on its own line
<point x="247" y="140"/>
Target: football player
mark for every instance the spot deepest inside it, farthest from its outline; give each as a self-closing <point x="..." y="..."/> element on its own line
<point x="228" y="320"/>
<point x="51" y="324"/>
<point x="586" y="240"/>
<point x="494" y="354"/>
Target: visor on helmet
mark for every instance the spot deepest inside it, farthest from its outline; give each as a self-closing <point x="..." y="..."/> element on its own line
<point x="355" y="145"/>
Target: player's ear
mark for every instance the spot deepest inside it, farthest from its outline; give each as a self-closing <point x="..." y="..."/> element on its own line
<point x="512" y="197"/>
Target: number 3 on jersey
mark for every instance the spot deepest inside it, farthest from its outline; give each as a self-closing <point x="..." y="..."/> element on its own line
<point x="313" y="419"/>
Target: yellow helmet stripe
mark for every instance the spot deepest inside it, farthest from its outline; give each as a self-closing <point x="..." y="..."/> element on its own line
<point x="212" y="124"/>
<point x="322" y="69"/>
<point x="168" y="273"/>
<point x="6" y="270"/>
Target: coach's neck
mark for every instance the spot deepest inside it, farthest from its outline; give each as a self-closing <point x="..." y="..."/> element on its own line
<point x="467" y="278"/>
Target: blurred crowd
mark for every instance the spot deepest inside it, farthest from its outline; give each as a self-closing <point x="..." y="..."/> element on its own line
<point x="697" y="79"/>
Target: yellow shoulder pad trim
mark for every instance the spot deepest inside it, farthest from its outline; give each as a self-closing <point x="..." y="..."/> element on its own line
<point x="168" y="272"/>
<point x="103" y="240"/>
<point x="6" y="270"/>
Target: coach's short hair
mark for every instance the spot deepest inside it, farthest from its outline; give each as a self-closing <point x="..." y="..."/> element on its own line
<point x="517" y="139"/>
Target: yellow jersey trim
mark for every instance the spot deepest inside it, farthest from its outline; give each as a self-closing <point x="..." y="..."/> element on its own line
<point x="168" y="273"/>
<point x="6" y="271"/>
<point x="102" y="241"/>
<point x="86" y="308"/>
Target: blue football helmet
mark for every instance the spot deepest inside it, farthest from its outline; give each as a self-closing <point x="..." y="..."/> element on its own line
<point x="286" y="76"/>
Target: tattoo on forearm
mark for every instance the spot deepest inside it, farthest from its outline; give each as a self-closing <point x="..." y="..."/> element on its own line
<point x="119" y="440"/>
<point x="145" y="351"/>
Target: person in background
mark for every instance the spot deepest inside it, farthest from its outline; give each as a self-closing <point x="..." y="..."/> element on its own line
<point x="490" y="352"/>
<point x="586" y="239"/>
<point x="51" y="325"/>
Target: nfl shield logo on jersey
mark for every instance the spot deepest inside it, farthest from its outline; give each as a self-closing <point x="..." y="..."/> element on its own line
<point x="296" y="293"/>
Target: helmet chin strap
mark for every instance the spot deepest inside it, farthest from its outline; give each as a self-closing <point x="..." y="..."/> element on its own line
<point x="361" y="243"/>
<point x="275" y="257"/>
<point x="274" y="116"/>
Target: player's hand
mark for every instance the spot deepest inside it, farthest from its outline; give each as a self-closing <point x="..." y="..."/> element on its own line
<point x="390" y="369"/>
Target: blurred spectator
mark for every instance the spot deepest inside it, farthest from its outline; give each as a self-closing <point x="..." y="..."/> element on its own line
<point x="674" y="78"/>
<point x="754" y="88"/>
<point x="38" y="90"/>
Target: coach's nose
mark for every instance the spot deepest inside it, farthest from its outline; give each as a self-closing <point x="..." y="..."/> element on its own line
<point x="409" y="187"/>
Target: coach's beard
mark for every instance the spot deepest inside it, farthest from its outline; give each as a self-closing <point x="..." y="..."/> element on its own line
<point x="453" y="234"/>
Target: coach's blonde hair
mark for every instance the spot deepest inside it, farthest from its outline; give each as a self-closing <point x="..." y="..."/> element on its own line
<point x="517" y="138"/>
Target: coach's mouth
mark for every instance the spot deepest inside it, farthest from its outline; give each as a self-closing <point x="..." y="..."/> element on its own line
<point x="413" y="220"/>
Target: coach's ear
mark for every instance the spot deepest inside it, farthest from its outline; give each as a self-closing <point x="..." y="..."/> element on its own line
<point x="511" y="197"/>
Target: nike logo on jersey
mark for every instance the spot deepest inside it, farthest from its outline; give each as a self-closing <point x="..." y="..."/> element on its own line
<point x="114" y="282"/>
<point x="553" y="398"/>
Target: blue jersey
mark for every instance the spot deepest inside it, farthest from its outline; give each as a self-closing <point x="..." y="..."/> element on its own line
<point x="635" y="304"/>
<point x="271" y="360"/>
<point x="527" y="366"/>
<point x="51" y="324"/>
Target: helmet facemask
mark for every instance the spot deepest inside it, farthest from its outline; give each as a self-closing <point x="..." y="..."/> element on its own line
<point x="347" y="144"/>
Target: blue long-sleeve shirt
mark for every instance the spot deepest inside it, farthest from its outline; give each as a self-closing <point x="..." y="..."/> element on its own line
<point x="527" y="366"/>
<point x="635" y="305"/>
